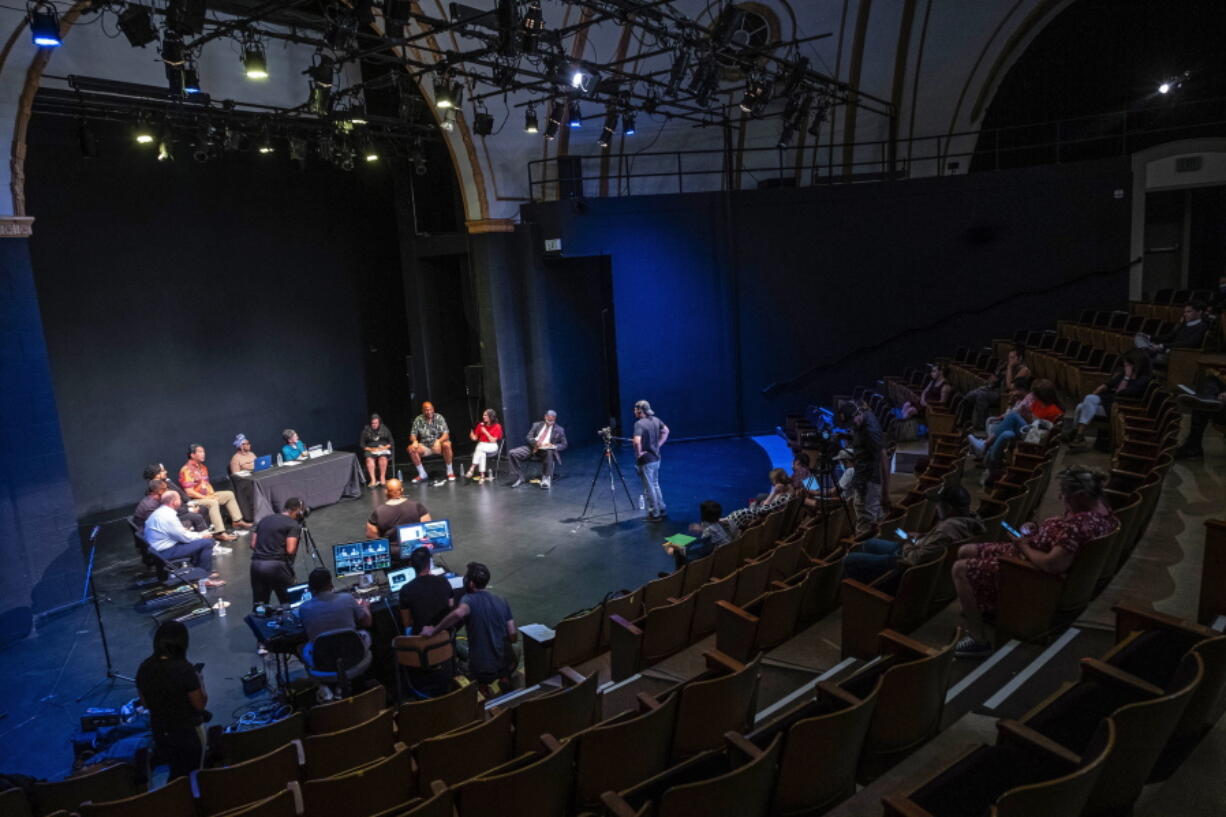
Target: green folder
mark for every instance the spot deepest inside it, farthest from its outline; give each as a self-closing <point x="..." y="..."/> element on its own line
<point x="679" y="540"/>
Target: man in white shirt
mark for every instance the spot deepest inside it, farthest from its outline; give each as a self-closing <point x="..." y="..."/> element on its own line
<point x="166" y="535"/>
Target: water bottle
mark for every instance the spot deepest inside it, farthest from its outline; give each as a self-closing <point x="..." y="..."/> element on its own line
<point x="280" y="461"/>
<point x="204" y="588"/>
<point x="399" y="475"/>
<point x="642" y="502"/>
<point x="221" y="607"/>
<point x="328" y="450"/>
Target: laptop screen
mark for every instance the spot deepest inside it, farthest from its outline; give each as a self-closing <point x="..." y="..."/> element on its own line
<point x="262" y="463"/>
<point x="435" y="535"/>
<point x="397" y="579"/>
<point x="298" y="594"/>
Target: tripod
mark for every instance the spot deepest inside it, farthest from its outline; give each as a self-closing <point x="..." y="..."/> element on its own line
<point x="308" y="542"/>
<point x="111" y="675"/>
<point x="607" y="457"/>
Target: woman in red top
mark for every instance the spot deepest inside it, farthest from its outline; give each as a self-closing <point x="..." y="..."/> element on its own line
<point x="1040" y="404"/>
<point x="486" y="435"/>
<point x="1050" y="547"/>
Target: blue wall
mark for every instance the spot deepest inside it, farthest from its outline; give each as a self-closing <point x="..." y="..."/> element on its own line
<point x="39" y="545"/>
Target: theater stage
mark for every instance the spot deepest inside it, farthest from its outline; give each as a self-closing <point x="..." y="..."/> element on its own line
<point x="544" y="561"/>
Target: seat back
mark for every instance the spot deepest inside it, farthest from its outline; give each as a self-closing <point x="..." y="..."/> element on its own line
<point x="337" y="648"/>
<point x="577" y="638"/>
<point x="628" y="605"/>
<point x="464" y="753"/>
<point x="666" y="629"/>
<point x="424" y="652"/>
<point x="745" y="791"/>
<point x="1064" y="796"/>
<point x="657" y="592"/>
<point x="706" y="602"/>
<point x="777" y="615"/>
<point x="282" y="804"/>
<point x="227" y="787"/>
<point x="616" y="755"/>
<point x="821" y="590"/>
<point x="376" y="788"/>
<point x="751" y="581"/>
<point x="1126" y="513"/>
<point x="541" y="788"/>
<point x="561" y="714"/>
<point x="172" y="800"/>
<point x="337" y="752"/>
<point x="724" y="560"/>
<point x="112" y="783"/>
<point x="1082" y="575"/>
<point x="337" y="715"/>
<point x="913" y="598"/>
<point x="1141" y="732"/>
<point x="712" y="706"/>
<point x="751" y="542"/>
<point x="784" y="560"/>
<point x="697" y="573"/>
<point x="14" y="803"/>
<point x="440" y="804"/>
<point x="418" y="720"/>
<point x="911" y="701"/>
<point x="252" y="743"/>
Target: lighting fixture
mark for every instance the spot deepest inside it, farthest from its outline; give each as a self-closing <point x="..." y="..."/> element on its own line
<point x="264" y="145"/>
<point x="534" y="24"/>
<point x="555" y="119"/>
<point x="442" y="93"/>
<point x="136" y="23"/>
<point x="1164" y="88"/>
<point x="581" y="79"/>
<point x="322" y="72"/>
<point x="320" y="100"/>
<point x="483" y="122"/>
<point x="185" y="16"/>
<point x="165" y="148"/>
<point x="173" y="52"/>
<point x="757" y="94"/>
<point x="255" y="63"/>
<point x="575" y="120"/>
<point x="44" y="24"/>
<point x="142" y="133"/>
<point x="628" y="128"/>
<point x="448" y="123"/>
<point x="530" y="121"/>
<point x="794" y="117"/>
<point x="607" y="130"/>
<point x="681" y="64"/>
<point x="366" y="146"/>
<point x="191" y="78"/>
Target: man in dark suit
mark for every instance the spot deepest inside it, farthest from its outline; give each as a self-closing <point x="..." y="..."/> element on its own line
<point x="546" y="440"/>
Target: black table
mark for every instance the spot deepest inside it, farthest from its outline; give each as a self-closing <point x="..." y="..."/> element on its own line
<point x="317" y="482"/>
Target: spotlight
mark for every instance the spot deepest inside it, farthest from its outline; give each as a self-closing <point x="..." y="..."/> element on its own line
<point x="448" y="123"/>
<point x="705" y="82"/>
<point x="628" y="128"/>
<point x="142" y="133"/>
<point x="534" y="24"/>
<point x="483" y="122"/>
<point x="442" y="93"/>
<point x="191" y="79"/>
<point x="366" y="146"/>
<point x="757" y="94"/>
<point x="582" y="80"/>
<point x="398" y="11"/>
<point x="298" y="149"/>
<point x="607" y="130"/>
<point x="681" y="64"/>
<point x="44" y="24"/>
<point x="322" y="72"/>
<point x="264" y="145"/>
<point x="320" y="100"/>
<point x="255" y="63"/>
<point x="1164" y="88"/>
<point x="530" y="122"/>
<point x="136" y="23"/>
<point x="794" y="117"/>
<point x="185" y="16"/>
<point x="165" y="148"/>
<point x="555" y="119"/>
<point x="202" y="145"/>
<point x="575" y="120"/>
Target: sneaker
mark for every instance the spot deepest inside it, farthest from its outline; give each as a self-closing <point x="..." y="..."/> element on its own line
<point x="546" y="482"/>
<point x="1194" y="403"/>
<point x="416" y="480"/>
<point x="242" y="532"/>
<point x="261" y="650"/>
<point x="968" y="647"/>
<point x="451" y="477"/>
<point x="324" y="694"/>
<point x="516" y="483"/>
<point x="221" y="550"/>
<point x="978" y="446"/>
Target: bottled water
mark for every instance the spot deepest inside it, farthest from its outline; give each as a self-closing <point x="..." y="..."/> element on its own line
<point x="280" y="461"/>
<point x="642" y="502"/>
<point x="328" y="450"/>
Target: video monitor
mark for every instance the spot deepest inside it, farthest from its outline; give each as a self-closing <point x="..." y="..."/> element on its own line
<point x="356" y="558"/>
<point x="435" y="535"/>
<point x="397" y="579"/>
<point x="298" y="594"/>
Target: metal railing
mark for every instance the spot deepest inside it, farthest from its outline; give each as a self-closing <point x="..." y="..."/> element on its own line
<point x="725" y="168"/>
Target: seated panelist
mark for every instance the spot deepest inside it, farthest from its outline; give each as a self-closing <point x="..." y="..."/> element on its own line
<point x="546" y="439"/>
<point x="293" y="448"/>
<point x="430" y="435"/>
<point x="244" y="457"/>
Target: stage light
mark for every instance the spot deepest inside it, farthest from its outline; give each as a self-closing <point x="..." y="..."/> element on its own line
<point x="165" y="148"/>
<point x="575" y="120"/>
<point x="136" y="23"/>
<point x="681" y="64"/>
<point x="534" y="24"/>
<point x="191" y="79"/>
<point x="185" y="16"/>
<point x="142" y="133"/>
<point x="322" y="72"/>
<point x="757" y="94"/>
<point x="366" y="146"/>
<point x="448" y="123"/>
<point x="555" y="120"/>
<point x="255" y="63"/>
<point x="794" y="117"/>
<point x="583" y="80"/>
<point x="44" y="24"/>
<point x="530" y="122"/>
<point x="320" y="100"/>
<point x="1164" y="88"/>
<point x="442" y="93"/>
<point x="264" y="145"/>
<point x="607" y="130"/>
<point x="398" y="11"/>
<point x="705" y="82"/>
<point x="483" y="122"/>
<point x="628" y="128"/>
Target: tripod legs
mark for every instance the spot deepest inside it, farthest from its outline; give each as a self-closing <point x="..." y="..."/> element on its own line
<point x="615" y="476"/>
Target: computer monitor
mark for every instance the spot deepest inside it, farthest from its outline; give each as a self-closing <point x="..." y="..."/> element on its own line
<point x="298" y="595"/>
<point x="435" y="535"/>
<point x="356" y="558"/>
<point x="397" y="579"/>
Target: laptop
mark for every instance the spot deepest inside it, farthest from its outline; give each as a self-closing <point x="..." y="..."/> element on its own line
<point x="298" y="595"/>
<point x="397" y="579"/>
<point x="262" y="463"/>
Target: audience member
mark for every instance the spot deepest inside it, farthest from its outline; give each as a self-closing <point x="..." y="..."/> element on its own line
<point x="1208" y="405"/>
<point x="490" y="626"/>
<point x="936" y="391"/>
<point x="1130" y="383"/>
<point x="956" y="524"/>
<point x="194" y="477"/>
<point x="427" y="598"/>
<point x="293" y="448"/>
<point x="1050" y="547"/>
<point x="173" y="692"/>
<point x="1041" y="404"/>
<point x="1189" y="333"/>
<point x="386" y="519"/>
<point x="1012" y="374"/>
<point x="244" y="457"/>
<point x="430" y="435"/>
<point x="711" y="533"/>
<point x="376" y="443"/>
<point x="274" y="545"/>
<point x="870" y="482"/>
<point x="487" y="434"/>
<point x="166" y="535"/>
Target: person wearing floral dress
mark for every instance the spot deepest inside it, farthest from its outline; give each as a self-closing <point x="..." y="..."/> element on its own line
<point x="1050" y="547"/>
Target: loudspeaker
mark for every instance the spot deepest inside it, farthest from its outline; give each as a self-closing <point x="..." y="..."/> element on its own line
<point x="570" y="177"/>
<point x="474" y="380"/>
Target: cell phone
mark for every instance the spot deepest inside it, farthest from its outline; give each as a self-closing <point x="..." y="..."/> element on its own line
<point x="1012" y="531"/>
<point x="902" y="534"/>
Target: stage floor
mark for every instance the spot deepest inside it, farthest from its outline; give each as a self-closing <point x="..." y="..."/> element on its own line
<point x="543" y="560"/>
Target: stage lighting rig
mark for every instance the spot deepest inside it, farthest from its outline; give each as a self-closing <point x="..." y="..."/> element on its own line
<point x="255" y="61"/>
<point x="142" y="134"/>
<point x="445" y="95"/>
<point x="191" y="78"/>
<point x="794" y="117"/>
<point x="676" y="74"/>
<point x="166" y="149"/>
<point x="581" y="79"/>
<point x="556" y="111"/>
<point x="136" y="23"/>
<point x="608" y="129"/>
<point x="532" y="28"/>
<point x="628" y="128"/>
<point x="366" y="147"/>
<point x="705" y="81"/>
<point x="575" y="117"/>
<point x="44" y="24"/>
<point x="757" y="94"/>
<point x="483" y="120"/>
<point x="264" y="144"/>
<point x="531" y="125"/>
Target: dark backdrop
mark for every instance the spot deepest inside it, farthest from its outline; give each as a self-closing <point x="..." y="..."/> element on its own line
<point x="719" y="296"/>
<point x="186" y="302"/>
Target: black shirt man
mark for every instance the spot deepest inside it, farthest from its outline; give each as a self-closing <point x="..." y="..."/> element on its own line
<point x="425" y="600"/>
<point x="274" y="544"/>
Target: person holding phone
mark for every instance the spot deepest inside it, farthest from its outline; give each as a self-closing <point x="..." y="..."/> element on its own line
<point x="956" y="524"/>
<point x="173" y="692"/>
<point x="1050" y="547"/>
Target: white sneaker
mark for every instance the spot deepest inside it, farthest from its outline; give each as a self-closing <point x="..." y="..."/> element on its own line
<point x="242" y="531"/>
<point x="222" y="550"/>
<point x="546" y="482"/>
<point x="978" y="446"/>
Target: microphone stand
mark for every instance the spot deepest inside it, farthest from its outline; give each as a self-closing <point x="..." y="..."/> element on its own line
<point x="111" y="675"/>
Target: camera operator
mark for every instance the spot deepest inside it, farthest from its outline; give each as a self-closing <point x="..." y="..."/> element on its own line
<point x="274" y="544"/>
<point x="869" y="484"/>
<point x="650" y="434"/>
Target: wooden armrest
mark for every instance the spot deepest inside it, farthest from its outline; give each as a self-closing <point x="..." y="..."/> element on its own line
<point x="616" y="620"/>
<point x="1012" y="730"/>
<point x="437" y="787"/>
<point x="1099" y="671"/>
<point x="897" y="806"/>
<point x="867" y="590"/>
<point x="743" y="745"/>
<point x="570" y="677"/>
<point x="778" y="585"/>
<point x="719" y="662"/>
<point x="740" y="613"/>
<point x="647" y="702"/>
<point x="616" y="806"/>
<point x="893" y="642"/>
<point x="1130" y="616"/>
<point x="835" y="691"/>
<point x="673" y="600"/>
<point x="1128" y="474"/>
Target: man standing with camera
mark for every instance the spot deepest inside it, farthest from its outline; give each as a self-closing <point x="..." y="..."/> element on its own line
<point x="274" y="544"/>
<point x="868" y="485"/>
<point x="650" y="434"/>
